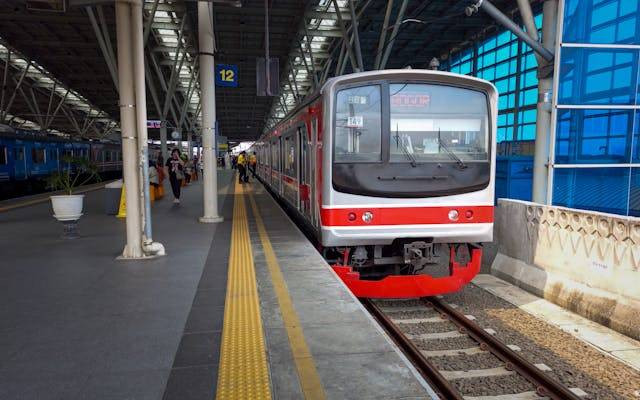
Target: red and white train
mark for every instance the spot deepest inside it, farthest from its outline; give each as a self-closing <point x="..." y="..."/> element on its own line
<point x="391" y="168"/>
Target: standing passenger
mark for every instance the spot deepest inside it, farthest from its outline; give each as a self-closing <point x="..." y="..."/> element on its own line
<point x="160" y="169"/>
<point x="242" y="168"/>
<point x="188" y="168"/>
<point x="253" y="160"/>
<point x="176" y="174"/>
<point x="154" y="175"/>
<point x="195" y="167"/>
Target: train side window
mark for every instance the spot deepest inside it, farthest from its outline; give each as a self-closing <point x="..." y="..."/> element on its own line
<point x="18" y="153"/>
<point x="3" y="155"/>
<point x="276" y="155"/>
<point x="38" y="156"/>
<point x="53" y="154"/>
<point x="289" y="155"/>
<point x="358" y="125"/>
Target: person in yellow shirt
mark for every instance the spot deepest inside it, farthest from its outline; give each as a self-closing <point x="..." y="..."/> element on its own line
<point x="253" y="160"/>
<point x="242" y="168"/>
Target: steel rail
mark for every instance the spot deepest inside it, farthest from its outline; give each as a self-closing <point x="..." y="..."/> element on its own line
<point x="439" y="383"/>
<point x="545" y="385"/>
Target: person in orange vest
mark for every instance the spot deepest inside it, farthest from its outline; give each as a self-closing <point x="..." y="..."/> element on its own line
<point x="242" y="167"/>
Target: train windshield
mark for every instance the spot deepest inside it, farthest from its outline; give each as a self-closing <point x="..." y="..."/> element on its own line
<point x="427" y="123"/>
<point x="437" y="123"/>
<point x="358" y="125"/>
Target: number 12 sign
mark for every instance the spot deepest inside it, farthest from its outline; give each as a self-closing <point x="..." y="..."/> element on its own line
<point x="227" y="75"/>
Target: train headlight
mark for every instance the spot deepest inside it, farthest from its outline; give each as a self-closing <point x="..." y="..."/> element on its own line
<point x="453" y="215"/>
<point x="367" y="217"/>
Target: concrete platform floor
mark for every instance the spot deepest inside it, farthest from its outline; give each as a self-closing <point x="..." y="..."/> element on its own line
<point x="75" y="323"/>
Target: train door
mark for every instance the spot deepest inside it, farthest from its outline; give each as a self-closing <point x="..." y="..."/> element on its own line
<point x="280" y="161"/>
<point x="19" y="162"/>
<point x="5" y="173"/>
<point x="314" y="171"/>
<point x="289" y="173"/>
<point x="305" y="172"/>
<point x="275" y="164"/>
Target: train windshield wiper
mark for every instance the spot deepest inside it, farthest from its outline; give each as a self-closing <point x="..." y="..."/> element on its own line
<point x="406" y="152"/>
<point x="451" y="153"/>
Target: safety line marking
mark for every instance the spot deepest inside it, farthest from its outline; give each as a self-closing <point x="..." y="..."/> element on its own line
<point x="243" y="370"/>
<point x="305" y="366"/>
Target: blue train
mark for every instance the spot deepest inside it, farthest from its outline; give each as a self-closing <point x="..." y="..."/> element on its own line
<point x="28" y="157"/>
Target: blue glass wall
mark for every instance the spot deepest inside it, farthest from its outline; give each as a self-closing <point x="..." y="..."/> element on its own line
<point x="511" y="66"/>
<point x="598" y="107"/>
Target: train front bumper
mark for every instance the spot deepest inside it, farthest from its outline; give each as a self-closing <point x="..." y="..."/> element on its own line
<point x="340" y="236"/>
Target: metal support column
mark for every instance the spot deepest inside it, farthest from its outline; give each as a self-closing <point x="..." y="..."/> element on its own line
<point x="526" y="13"/>
<point x="189" y="146"/>
<point x="383" y="34"/>
<point x="163" y="142"/>
<point x="356" y="36"/>
<point x="133" y="248"/>
<point x="543" y="116"/>
<point x="505" y="21"/>
<point x="346" y="38"/>
<point x="394" y="33"/>
<point x="208" y="100"/>
<point x="149" y="247"/>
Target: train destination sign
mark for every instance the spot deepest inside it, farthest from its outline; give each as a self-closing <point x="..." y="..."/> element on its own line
<point x="411" y="100"/>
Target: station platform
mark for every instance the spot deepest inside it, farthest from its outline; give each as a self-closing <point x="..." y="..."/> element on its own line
<point x="241" y="309"/>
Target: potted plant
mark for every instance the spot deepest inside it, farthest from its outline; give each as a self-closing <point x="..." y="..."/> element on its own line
<point x="67" y="207"/>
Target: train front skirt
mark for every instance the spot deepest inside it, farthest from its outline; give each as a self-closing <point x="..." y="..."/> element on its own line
<point x="412" y="286"/>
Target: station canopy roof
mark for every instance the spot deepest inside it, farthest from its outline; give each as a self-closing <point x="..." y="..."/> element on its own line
<point x="63" y="63"/>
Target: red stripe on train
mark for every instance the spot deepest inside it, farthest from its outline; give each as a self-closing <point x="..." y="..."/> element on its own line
<point x="406" y="215"/>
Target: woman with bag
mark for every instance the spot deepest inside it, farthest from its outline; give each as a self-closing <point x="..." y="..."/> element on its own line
<point x="176" y="173"/>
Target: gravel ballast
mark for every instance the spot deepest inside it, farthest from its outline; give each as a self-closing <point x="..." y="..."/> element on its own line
<point x="573" y="362"/>
<point x="463" y="362"/>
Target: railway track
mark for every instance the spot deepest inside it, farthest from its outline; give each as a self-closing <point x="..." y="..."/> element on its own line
<point x="474" y="365"/>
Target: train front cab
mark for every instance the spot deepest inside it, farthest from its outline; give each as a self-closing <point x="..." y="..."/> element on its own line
<point x="409" y="167"/>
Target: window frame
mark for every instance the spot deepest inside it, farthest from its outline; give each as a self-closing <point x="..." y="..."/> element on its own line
<point x="34" y="152"/>
<point x="4" y="155"/>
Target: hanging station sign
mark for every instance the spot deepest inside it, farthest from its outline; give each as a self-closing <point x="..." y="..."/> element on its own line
<point x="226" y="75"/>
<point x="154" y="123"/>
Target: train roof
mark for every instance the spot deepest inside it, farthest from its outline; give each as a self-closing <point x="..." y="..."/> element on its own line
<point x="440" y="76"/>
<point x="23" y="134"/>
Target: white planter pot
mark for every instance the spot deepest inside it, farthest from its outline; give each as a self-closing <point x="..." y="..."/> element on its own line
<point x="67" y="208"/>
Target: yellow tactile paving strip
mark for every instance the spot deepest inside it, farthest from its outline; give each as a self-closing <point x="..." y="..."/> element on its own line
<point x="243" y="370"/>
<point x="305" y="366"/>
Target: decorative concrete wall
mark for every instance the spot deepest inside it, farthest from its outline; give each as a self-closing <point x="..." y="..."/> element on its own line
<point x="586" y="261"/>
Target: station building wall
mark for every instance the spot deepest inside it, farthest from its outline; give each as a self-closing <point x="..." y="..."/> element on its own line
<point x="510" y="64"/>
<point x="595" y="144"/>
<point x="595" y="135"/>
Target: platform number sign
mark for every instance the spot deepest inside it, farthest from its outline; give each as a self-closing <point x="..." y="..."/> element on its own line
<point x="227" y="75"/>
